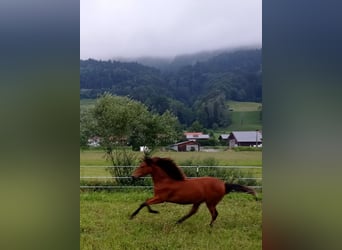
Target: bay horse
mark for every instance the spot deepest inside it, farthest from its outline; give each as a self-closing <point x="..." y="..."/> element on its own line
<point x="171" y="185"/>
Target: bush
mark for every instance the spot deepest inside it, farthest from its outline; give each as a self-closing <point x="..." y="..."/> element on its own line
<point x="230" y="175"/>
<point x="121" y="160"/>
<point x="246" y="148"/>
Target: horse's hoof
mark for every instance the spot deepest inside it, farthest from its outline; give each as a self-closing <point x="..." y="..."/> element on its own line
<point x="154" y="212"/>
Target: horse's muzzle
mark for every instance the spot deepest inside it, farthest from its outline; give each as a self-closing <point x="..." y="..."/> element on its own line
<point x="134" y="178"/>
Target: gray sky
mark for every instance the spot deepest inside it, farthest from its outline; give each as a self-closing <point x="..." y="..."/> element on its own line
<point x="133" y="28"/>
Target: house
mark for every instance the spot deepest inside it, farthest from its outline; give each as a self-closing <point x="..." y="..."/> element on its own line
<point x="223" y="137"/>
<point x="245" y="138"/>
<point x="186" y="146"/>
<point x="193" y="136"/>
<point x="94" y="141"/>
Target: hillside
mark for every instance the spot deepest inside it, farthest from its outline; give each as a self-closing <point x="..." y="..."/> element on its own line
<point x="196" y="91"/>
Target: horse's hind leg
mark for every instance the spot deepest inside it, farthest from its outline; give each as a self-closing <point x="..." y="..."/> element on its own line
<point x="193" y="210"/>
<point x="213" y="212"/>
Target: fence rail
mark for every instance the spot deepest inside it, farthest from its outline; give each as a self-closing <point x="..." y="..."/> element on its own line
<point x="148" y="186"/>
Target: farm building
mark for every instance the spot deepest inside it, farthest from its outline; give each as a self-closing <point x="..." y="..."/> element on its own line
<point x="186" y="146"/>
<point x="223" y="137"/>
<point x="94" y="141"/>
<point x="244" y="138"/>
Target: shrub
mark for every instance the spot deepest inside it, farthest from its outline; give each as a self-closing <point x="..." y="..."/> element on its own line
<point x="246" y="148"/>
<point x="121" y="160"/>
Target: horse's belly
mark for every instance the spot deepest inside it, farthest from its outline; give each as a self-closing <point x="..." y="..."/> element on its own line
<point x="187" y="195"/>
<point x="186" y="199"/>
<point x="197" y="191"/>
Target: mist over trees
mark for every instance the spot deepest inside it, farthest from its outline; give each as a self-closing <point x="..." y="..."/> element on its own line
<point x="192" y="88"/>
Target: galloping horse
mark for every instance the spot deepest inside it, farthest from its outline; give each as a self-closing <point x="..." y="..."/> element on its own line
<point x="171" y="185"/>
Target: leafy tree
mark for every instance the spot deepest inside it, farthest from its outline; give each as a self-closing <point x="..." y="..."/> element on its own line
<point x="196" y="126"/>
<point x="87" y="126"/>
<point x="157" y="130"/>
<point x="121" y="122"/>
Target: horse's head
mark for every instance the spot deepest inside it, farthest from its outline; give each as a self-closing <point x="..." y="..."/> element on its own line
<point x="144" y="168"/>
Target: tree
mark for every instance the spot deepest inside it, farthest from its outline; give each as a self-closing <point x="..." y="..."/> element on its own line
<point x="87" y="126"/>
<point x="196" y="126"/>
<point x="121" y="122"/>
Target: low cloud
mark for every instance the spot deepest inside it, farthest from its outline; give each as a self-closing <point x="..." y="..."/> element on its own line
<point x="133" y="28"/>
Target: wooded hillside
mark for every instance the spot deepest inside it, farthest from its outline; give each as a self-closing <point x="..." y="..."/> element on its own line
<point x="197" y="91"/>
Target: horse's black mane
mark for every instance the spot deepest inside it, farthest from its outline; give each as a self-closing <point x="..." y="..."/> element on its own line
<point x="170" y="168"/>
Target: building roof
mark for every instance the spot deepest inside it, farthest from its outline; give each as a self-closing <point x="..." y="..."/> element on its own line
<point x="186" y="142"/>
<point x="247" y="136"/>
<point x="200" y="136"/>
<point x="192" y="133"/>
<point x="224" y="136"/>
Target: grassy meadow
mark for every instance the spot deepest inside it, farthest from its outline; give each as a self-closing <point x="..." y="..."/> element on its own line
<point x="224" y="158"/>
<point x="245" y="116"/>
<point x="91" y="160"/>
<point x="104" y="216"/>
<point x="105" y="224"/>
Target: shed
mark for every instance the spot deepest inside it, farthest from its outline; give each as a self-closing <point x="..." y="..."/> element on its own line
<point x="223" y="137"/>
<point x="186" y="146"/>
<point x="245" y="138"/>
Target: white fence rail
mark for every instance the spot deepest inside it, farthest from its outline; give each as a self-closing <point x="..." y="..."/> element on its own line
<point x="137" y="187"/>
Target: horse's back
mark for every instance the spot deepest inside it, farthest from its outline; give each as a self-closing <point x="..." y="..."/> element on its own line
<point x="210" y="186"/>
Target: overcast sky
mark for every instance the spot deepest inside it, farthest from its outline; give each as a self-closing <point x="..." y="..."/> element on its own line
<point x="134" y="28"/>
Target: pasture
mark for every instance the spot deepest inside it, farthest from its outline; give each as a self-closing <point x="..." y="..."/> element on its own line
<point x="105" y="224"/>
<point x="223" y="158"/>
<point x="245" y="116"/>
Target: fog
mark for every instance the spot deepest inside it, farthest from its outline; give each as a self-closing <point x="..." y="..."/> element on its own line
<point x="164" y="28"/>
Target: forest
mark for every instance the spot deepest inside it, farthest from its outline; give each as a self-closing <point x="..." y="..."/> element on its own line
<point x="195" y="88"/>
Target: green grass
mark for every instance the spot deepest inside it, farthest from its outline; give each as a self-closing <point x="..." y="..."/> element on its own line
<point x="91" y="160"/>
<point x="245" y="116"/>
<point x="244" y="106"/>
<point x="87" y="103"/>
<point x="105" y="224"/>
<point x="245" y="120"/>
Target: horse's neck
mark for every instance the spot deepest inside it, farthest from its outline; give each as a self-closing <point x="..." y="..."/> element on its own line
<point x="159" y="176"/>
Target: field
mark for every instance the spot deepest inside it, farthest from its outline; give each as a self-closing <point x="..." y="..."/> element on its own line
<point x="105" y="224"/>
<point x="223" y="158"/>
<point x="244" y="106"/>
<point x="104" y="216"/>
<point x="245" y="116"/>
<point x="84" y="103"/>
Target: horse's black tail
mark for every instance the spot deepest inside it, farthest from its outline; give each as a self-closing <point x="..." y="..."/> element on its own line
<point x="240" y="188"/>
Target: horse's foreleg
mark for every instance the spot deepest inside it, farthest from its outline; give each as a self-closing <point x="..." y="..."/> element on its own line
<point x="137" y="211"/>
<point x="193" y="210"/>
<point x="154" y="200"/>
